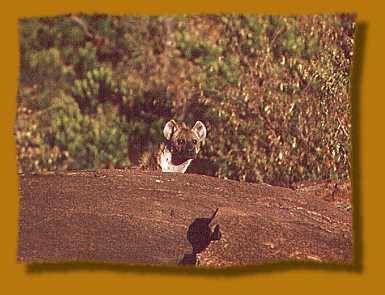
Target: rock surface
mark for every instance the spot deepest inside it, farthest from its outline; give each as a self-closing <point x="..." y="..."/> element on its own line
<point x="147" y="217"/>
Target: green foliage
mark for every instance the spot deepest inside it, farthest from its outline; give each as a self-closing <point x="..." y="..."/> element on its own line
<point x="273" y="92"/>
<point x="97" y="87"/>
<point x="60" y="137"/>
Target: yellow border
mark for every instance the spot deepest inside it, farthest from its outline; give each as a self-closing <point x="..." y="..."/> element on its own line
<point x="368" y="123"/>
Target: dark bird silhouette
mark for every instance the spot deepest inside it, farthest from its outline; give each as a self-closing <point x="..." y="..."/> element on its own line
<point x="200" y="234"/>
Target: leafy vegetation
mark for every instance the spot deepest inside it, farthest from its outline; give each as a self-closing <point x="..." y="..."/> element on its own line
<point x="95" y="91"/>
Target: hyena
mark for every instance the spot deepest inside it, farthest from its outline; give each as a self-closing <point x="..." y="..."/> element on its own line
<point x="180" y="147"/>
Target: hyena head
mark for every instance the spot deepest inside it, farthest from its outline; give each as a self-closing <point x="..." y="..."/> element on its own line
<point x="182" y="142"/>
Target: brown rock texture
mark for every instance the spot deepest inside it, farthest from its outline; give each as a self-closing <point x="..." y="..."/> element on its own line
<point x="148" y="217"/>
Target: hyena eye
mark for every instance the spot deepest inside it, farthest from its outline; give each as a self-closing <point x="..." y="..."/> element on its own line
<point x="194" y="141"/>
<point x="180" y="141"/>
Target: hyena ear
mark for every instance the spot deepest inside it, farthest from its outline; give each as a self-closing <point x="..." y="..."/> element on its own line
<point x="200" y="129"/>
<point x="169" y="129"/>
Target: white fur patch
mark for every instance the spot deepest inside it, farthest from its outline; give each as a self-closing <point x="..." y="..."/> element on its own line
<point x="167" y="166"/>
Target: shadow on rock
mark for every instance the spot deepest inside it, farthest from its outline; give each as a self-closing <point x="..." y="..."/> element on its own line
<point x="200" y="234"/>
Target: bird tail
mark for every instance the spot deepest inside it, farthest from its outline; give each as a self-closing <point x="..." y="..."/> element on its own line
<point x="215" y="213"/>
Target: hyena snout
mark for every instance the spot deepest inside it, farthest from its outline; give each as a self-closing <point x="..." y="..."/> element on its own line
<point x="187" y="146"/>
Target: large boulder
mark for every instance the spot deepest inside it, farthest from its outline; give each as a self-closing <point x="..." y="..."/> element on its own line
<point x="149" y="217"/>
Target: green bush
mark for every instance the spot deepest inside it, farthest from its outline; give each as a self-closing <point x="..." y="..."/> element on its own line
<point x="61" y="137"/>
<point x="273" y="92"/>
<point x="97" y="87"/>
